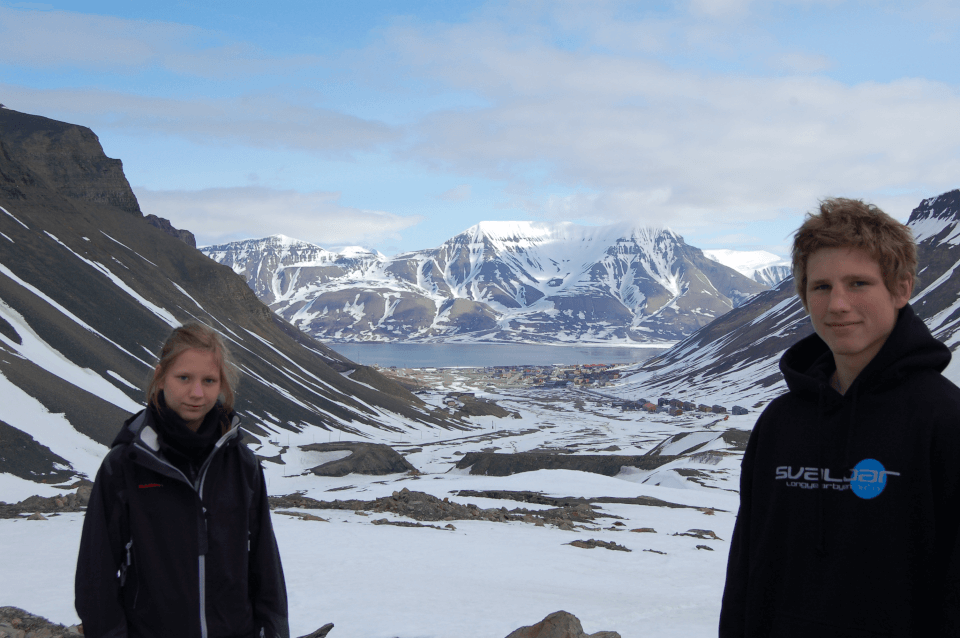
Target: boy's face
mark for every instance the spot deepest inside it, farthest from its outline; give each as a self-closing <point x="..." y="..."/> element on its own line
<point x="851" y="308"/>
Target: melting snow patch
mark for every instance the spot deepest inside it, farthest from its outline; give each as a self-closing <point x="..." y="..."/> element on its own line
<point x="128" y="248"/>
<point x="14" y="218"/>
<point x="676" y="446"/>
<point x="67" y="313"/>
<point x="122" y="380"/>
<point x="119" y="283"/>
<point x="187" y="295"/>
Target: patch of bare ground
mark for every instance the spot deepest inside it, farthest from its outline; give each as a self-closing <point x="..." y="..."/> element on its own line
<point x="590" y="544"/>
<point x="426" y="507"/>
<point x="538" y="498"/>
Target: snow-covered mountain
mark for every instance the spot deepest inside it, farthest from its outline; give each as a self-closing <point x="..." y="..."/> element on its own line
<point x="497" y="281"/>
<point x="759" y="265"/>
<point x="739" y="354"/>
<point x="936" y="227"/>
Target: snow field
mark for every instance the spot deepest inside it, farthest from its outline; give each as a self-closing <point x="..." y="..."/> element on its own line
<point x="483" y="579"/>
<point x="486" y="579"/>
<point x="39" y="562"/>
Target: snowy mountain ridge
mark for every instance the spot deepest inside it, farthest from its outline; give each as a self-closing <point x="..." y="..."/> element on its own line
<point x="516" y="281"/>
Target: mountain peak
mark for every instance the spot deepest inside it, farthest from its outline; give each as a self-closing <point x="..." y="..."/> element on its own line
<point x="65" y="158"/>
<point x="945" y="204"/>
<point x="934" y="214"/>
<point x="543" y="231"/>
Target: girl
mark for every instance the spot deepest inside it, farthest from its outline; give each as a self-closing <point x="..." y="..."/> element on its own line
<point x="177" y="540"/>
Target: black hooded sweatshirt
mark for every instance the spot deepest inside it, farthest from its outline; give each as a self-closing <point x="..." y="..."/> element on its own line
<point x="177" y="538"/>
<point x="850" y="504"/>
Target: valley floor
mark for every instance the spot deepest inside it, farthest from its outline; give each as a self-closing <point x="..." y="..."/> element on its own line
<point x="482" y="579"/>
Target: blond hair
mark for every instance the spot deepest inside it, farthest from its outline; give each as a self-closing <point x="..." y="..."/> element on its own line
<point x="195" y="336"/>
<point x="851" y="223"/>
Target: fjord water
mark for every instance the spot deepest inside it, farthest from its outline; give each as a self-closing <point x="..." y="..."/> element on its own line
<point x="479" y="355"/>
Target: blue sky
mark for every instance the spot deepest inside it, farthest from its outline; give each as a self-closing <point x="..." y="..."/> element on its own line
<point x="396" y="125"/>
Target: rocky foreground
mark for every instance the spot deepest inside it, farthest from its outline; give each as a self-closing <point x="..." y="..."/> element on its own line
<point x="17" y="623"/>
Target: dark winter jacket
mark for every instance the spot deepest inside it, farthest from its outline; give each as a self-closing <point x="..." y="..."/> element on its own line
<point x="164" y="556"/>
<point x="850" y="504"/>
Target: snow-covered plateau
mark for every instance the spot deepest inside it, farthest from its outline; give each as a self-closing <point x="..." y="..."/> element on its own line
<point x="483" y="578"/>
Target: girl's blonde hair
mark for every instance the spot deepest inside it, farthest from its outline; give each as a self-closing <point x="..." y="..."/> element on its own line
<point x="196" y="336"/>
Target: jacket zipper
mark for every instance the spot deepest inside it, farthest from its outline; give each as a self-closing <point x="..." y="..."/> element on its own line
<point x="198" y="488"/>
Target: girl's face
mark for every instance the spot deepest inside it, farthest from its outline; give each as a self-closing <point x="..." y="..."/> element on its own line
<point x="192" y="385"/>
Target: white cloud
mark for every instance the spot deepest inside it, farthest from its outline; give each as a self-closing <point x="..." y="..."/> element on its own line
<point x="801" y="63"/>
<point x="217" y="215"/>
<point x="260" y="120"/>
<point x="690" y="147"/>
<point x="457" y="193"/>
<point x="719" y="8"/>
<point x="634" y="111"/>
<point x="45" y="39"/>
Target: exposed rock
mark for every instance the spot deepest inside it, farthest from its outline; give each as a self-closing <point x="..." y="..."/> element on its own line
<point x="36" y="504"/>
<point x="24" y="457"/>
<point x="570" y="501"/>
<point x="559" y="624"/>
<point x="302" y="516"/>
<point x="590" y="544"/>
<point x="320" y="633"/>
<point x="164" y="224"/>
<point x="383" y="521"/>
<point x="702" y="534"/>
<point x="506" y="464"/>
<point x="474" y="406"/>
<point x="17" y="623"/>
<point x="426" y="507"/>
<point x="66" y="158"/>
<point x="367" y="458"/>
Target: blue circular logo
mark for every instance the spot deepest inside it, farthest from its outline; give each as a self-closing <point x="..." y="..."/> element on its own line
<point x="869" y="479"/>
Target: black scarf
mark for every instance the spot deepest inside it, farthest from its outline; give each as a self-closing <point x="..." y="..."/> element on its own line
<point x="178" y="443"/>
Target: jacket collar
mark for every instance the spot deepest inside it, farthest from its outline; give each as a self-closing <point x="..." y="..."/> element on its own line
<point x="808" y="364"/>
<point x="140" y="429"/>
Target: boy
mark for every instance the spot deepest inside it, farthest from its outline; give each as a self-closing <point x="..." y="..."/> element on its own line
<point x="849" y="489"/>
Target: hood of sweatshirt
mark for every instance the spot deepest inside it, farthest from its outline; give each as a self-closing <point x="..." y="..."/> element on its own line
<point x="808" y="364"/>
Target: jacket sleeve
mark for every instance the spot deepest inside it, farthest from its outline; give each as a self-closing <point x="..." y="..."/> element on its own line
<point x="733" y="608"/>
<point x="97" y="585"/>
<point x="268" y="590"/>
